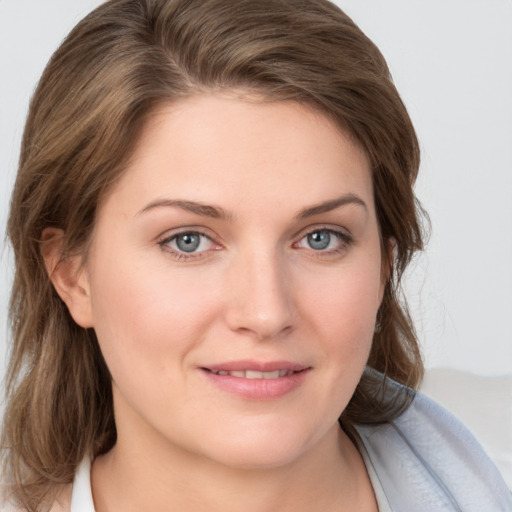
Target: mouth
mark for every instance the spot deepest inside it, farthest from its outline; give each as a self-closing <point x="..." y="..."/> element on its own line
<point x="254" y="374"/>
<point x="257" y="380"/>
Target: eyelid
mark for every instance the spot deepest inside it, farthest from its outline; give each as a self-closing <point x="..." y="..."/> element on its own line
<point x="164" y="239"/>
<point x="342" y="231"/>
<point x="344" y="235"/>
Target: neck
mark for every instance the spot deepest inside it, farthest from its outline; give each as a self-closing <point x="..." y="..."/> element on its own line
<point x="139" y="477"/>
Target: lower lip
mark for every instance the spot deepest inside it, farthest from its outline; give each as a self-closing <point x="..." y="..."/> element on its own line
<point x="257" y="389"/>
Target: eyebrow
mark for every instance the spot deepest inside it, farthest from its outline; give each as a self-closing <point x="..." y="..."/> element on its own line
<point x="204" y="210"/>
<point x="330" y="205"/>
<point x="215" y="212"/>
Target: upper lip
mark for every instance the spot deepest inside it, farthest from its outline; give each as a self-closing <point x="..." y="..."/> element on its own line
<point x="258" y="366"/>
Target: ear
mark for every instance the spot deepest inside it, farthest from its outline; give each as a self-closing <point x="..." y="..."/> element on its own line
<point x="389" y="253"/>
<point x="67" y="276"/>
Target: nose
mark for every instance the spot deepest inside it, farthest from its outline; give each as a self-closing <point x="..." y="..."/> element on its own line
<point x="260" y="296"/>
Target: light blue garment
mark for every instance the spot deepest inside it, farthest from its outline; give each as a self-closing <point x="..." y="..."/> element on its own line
<point x="427" y="461"/>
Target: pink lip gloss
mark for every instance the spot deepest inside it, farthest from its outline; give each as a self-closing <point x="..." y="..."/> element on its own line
<point x="256" y="380"/>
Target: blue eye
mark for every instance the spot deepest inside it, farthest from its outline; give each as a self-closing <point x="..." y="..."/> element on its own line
<point x="325" y="240"/>
<point x="188" y="243"/>
<point x="319" y="240"/>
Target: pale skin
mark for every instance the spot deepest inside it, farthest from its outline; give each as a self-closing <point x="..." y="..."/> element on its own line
<point x="241" y="231"/>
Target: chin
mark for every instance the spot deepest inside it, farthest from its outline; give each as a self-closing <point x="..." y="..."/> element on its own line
<point x="258" y="458"/>
<point x="264" y="446"/>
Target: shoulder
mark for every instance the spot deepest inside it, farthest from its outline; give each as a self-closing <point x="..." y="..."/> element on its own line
<point x="426" y="460"/>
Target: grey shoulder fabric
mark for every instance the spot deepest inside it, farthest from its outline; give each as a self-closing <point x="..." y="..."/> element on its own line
<point x="427" y="461"/>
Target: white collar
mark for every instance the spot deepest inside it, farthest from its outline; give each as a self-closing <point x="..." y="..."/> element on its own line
<point x="81" y="497"/>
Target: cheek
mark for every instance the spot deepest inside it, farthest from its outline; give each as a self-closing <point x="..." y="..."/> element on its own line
<point x="144" y="314"/>
<point x="342" y="313"/>
<point x="346" y="300"/>
<point x="346" y="324"/>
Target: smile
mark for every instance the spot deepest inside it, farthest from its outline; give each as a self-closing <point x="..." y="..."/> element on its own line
<point x="252" y="380"/>
<point x="253" y="374"/>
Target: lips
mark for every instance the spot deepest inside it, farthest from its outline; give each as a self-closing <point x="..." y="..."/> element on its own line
<point x="254" y="374"/>
<point x="256" y="366"/>
<point x="257" y="380"/>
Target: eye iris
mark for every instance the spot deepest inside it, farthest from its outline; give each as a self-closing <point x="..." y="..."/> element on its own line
<point x="319" y="240"/>
<point x="188" y="242"/>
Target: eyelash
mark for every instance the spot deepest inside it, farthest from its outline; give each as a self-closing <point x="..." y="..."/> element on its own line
<point x="345" y="241"/>
<point x="182" y="255"/>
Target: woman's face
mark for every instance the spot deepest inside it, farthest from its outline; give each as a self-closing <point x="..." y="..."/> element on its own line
<point x="233" y="281"/>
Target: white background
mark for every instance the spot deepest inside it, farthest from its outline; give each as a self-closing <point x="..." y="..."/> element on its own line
<point x="452" y="63"/>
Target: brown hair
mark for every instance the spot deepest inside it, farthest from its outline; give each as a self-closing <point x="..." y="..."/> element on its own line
<point x="116" y="66"/>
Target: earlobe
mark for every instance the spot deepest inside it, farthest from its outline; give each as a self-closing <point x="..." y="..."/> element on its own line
<point x="67" y="276"/>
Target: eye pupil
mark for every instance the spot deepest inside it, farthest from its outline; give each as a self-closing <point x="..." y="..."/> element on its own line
<point x="319" y="240"/>
<point x="188" y="242"/>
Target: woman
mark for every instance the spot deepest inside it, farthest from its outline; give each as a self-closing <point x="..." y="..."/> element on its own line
<point x="212" y="214"/>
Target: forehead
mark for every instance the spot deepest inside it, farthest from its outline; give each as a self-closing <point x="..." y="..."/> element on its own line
<point x="219" y="147"/>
